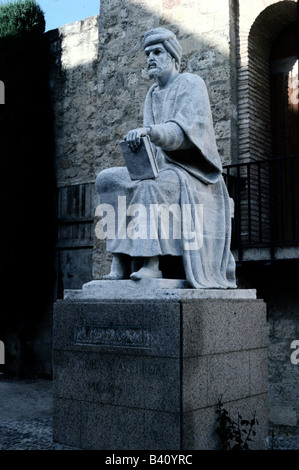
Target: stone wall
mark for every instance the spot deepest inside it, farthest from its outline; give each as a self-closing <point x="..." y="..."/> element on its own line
<point x="277" y="284"/>
<point x="99" y="82"/>
<point x="123" y="80"/>
<point x="73" y="82"/>
<point x="204" y="30"/>
<point x="283" y="372"/>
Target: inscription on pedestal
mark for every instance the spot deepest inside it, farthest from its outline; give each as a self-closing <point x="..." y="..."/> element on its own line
<point x="112" y="336"/>
<point x="132" y="367"/>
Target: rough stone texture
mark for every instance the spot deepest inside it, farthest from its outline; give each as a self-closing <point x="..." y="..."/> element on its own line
<point x="214" y="37"/>
<point x="26" y="415"/>
<point x="73" y="82"/>
<point x="157" y="368"/>
<point x="99" y="80"/>
<point x="175" y="289"/>
<point x="123" y="81"/>
<point x="283" y="374"/>
<point x="278" y="285"/>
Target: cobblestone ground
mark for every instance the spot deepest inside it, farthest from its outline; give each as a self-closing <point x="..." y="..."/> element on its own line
<point x="26" y="415"/>
<point x="26" y="418"/>
<point x="33" y="434"/>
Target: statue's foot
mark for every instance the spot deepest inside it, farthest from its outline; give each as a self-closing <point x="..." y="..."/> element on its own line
<point x="113" y="277"/>
<point x="146" y="273"/>
<point x="118" y="270"/>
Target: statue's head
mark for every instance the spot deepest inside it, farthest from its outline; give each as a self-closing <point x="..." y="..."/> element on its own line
<point x="169" y="41"/>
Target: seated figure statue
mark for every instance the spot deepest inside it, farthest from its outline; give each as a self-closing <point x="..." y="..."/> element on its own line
<point x="178" y="121"/>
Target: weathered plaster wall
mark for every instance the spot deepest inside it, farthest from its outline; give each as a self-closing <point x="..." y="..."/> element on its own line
<point x="73" y="82"/>
<point x="99" y="80"/>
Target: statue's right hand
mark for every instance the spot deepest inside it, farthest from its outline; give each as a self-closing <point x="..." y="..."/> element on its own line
<point x="133" y="137"/>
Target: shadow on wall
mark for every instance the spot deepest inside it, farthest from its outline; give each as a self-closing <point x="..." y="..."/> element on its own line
<point x="27" y="239"/>
<point x="98" y="101"/>
<point x="123" y="81"/>
<point x="109" y="90"/>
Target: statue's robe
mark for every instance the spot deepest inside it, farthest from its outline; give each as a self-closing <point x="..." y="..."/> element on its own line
<point x="190" y="177"/>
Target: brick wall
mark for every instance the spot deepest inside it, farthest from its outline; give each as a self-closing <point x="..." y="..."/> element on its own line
<point x="259" y="23"/>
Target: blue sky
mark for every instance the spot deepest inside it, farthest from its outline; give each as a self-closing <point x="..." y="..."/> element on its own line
<point x="60" y="12"/>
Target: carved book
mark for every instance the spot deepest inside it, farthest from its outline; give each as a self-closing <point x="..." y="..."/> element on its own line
<point x="141" y="164"/>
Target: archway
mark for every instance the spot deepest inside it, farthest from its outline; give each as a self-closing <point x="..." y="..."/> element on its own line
<point x="263" y="33"/>
<point x="261" y="219"/>
<point x="285" y="133"/>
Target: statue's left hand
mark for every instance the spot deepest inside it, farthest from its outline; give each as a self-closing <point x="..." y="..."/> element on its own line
<point x="133" y="137"/>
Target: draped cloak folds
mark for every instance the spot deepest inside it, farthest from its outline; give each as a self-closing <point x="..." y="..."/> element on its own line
<point x="190" y="176"/>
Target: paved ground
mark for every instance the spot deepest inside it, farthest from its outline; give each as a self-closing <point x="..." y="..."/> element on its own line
<point x="25" y="414"/>
<point x="26" y="417"/>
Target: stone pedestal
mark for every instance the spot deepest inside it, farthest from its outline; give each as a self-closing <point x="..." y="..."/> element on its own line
<point x="142" y="366"/>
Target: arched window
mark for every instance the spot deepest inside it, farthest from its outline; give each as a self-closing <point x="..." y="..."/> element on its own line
<point x="254" y="116"/>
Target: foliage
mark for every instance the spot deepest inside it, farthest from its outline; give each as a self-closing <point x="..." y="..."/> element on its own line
<point x="17" y="18"/>
<point x="234" y="435"/>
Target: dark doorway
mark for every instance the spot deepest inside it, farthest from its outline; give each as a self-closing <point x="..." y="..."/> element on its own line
<point x="285" y="134"/>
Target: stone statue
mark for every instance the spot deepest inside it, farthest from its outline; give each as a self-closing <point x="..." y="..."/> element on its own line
<point x="178" y="121"/>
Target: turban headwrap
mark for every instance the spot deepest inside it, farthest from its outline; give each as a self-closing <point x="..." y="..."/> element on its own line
<point x="167" y="38"/>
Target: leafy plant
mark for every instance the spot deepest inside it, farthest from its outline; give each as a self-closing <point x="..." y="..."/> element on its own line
<point x="234" y="435"/>
<point x="17" y="18"/>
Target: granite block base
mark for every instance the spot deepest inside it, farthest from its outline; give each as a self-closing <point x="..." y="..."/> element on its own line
<point x="147" y="374"/>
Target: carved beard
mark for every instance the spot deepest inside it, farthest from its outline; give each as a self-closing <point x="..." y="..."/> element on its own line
<point x="160" y="69"/>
